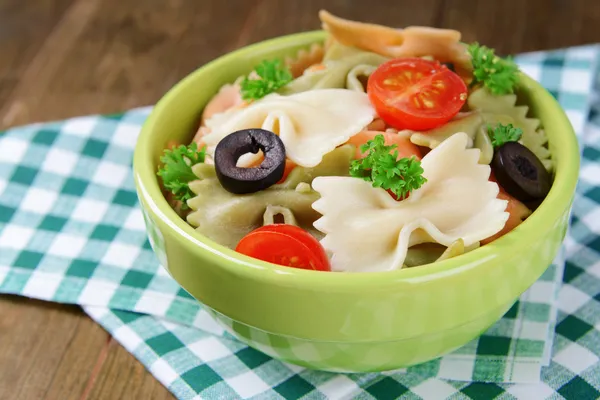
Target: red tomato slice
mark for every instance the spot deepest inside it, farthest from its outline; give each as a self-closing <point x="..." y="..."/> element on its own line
<point x="286" y="245"/>
<point x="416" y="94"/>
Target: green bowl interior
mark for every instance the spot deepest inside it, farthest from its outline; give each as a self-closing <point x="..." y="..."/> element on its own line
<point x="176" y="117"/>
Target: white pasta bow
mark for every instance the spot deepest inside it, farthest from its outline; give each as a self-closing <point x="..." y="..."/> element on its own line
<point x="366" y="230"/>
<point x="310" y="124"/>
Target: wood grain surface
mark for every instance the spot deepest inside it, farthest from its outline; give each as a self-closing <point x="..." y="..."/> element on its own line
<point x="62" y="58"/>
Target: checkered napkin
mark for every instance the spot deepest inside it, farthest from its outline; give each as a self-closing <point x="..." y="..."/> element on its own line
<point x="71" y="231"/>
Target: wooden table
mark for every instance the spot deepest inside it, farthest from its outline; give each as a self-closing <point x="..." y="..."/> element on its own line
<point x="62" y="58"/>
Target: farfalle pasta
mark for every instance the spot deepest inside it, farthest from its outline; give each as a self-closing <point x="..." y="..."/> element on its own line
<point x="310" y="124"/>
<point x="473" y="124"/>
<point x="450" y="206"/>
<point x="374" y="150"/>
<point x="226" y="218"/>
<point x="503" y="109"/>
<point x="334" y="73"/>
<point x="413" y="41"/>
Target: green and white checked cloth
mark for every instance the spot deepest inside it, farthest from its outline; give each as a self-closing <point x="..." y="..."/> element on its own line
<point x="71" y="231"/>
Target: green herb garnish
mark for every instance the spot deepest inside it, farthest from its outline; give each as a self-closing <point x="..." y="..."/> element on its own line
<point x="499" y="75"/>
<point x="504" y="133"/>
<point x="272" y="75"/>
<point x="385" y="170"/>
<point x="177" y="172"/>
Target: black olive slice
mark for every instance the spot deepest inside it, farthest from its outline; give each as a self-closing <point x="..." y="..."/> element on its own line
<point x="450" y="66"/>
<point x="249" y="180"/>
<point x="534" y="204"/>
<point x="520" y="172"/>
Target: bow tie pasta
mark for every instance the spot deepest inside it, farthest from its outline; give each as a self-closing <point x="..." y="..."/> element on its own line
<point x="337" y="73"/>
<point x="503" y="109"/>
<point x="414" y="41"/>
<point x="226" y="218"/>
<point x="310" y="124"/>
<point x="472" y="124"/>
<point x="367" y="230"/>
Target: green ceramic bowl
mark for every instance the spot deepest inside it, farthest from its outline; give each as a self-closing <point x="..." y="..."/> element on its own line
<point x="347" y="322"/>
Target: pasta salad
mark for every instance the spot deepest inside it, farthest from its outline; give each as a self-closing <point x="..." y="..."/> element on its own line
<point x="377" y="150"/>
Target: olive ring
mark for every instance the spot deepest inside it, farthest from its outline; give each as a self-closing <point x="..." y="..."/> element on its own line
<point x="239" y="180"/>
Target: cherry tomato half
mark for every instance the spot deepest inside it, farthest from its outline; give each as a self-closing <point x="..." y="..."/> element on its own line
<point x="416" y="94"/>
<point x="286" y="245"/>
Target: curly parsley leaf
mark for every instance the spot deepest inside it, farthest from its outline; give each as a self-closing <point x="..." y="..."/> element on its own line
<point x="385" y="170"/>
<point x="501" y="134"/>
<point x="177" y="172"/>
<point x="499" y="75"/>
<point x="272" y="76"/>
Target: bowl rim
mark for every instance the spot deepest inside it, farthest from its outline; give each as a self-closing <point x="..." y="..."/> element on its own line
<point x="542" y="220"/>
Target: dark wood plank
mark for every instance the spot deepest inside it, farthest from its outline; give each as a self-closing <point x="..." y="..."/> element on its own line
<point x="123" y="377"/>
<point x="20" y="41"/>
<point x="279" y="17"/>
<point x="35" y="337"/>
<point x="514" y="26"/>
<point x="35" y="77"/>
<point x="75" y="376"/>
<point x="117" y="54"/>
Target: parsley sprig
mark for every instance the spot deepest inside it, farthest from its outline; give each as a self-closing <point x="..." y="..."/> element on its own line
<point x="177" y="172"/>
<point x="501" y="134"/>
<point x="272" y="76"/>
<point x="385" y="170"/>
<point x="499" y="75"/>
